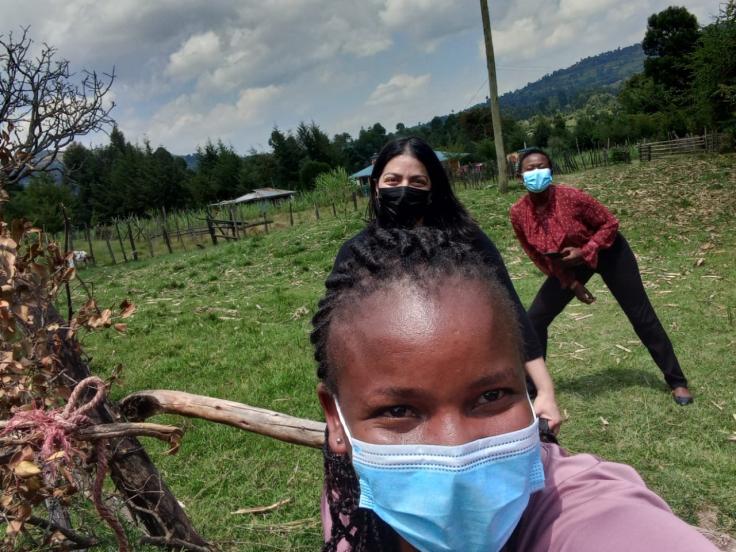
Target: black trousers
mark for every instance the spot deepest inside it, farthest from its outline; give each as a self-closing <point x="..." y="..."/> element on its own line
<point x="619" y="270"/>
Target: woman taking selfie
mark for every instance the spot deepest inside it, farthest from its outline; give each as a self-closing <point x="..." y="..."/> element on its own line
<point x="410" y="188"/>
<point x="570" y="236"/>
<point x="432" y="444"/>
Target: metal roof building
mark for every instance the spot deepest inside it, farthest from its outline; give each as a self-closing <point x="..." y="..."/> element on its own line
<point x="259" y="194"/>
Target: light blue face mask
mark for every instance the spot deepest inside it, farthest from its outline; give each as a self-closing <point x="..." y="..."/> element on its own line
<point x="449" y="498"/>
<point x="537" y="180"/>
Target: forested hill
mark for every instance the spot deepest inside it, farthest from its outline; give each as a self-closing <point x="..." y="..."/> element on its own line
<point x="569" y="88"/>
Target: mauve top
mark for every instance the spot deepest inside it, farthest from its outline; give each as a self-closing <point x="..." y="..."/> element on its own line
<point x="571" y="218"/>
<point x="590" y="505"/>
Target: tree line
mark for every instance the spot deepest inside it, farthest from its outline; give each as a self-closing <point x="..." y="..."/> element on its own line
<point x="688" y="84"/>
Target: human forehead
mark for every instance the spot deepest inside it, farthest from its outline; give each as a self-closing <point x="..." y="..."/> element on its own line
<point x="405" y="165"/>
<point x="535" y="160"/>
<point x="403" y="327"/>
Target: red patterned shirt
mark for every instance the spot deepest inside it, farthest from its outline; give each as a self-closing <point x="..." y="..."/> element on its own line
<point x="571" y="218"/>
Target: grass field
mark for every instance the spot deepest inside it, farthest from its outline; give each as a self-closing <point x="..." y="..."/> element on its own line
<point x="232" y="321"/>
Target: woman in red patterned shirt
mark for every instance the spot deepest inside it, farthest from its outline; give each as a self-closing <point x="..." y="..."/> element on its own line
<point x="569" y="236"/>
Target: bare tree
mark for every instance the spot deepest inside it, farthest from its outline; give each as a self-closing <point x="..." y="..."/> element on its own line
<point x="44" y="106"/>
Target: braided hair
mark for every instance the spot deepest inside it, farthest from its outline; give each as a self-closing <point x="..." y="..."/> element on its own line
<point x="426" y="257"/>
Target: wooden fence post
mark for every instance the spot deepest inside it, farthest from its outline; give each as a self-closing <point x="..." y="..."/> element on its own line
<point x="234" y="224"/>
<point x="334" y="211"/>
<point x="89" y="242"/>
<point x="120" y="239"/>
<point x="291" y="215"/>
<point x="265" y="222"/>
<point x="109" y="247"/>
<point x="134" y="251"/>
<point x="178" y="232"/>
<point x="165" y="234"/>
<point x="211" y="228"/>
<point x="316" y="211"/>
<point x="355" y="201"/>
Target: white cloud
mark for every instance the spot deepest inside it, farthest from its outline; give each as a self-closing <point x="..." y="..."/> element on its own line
<point x="189" y="120"/>
<point x="429" y="21"/>
<point x="584" y="8"/>
<point x="399" y="89"/>
<point x="196" y="54"/>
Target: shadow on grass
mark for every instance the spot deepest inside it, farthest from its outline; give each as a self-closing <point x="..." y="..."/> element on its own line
<point x="609" y="379"/>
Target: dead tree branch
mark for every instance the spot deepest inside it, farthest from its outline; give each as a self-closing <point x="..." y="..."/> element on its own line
<point x="44" y="105"/>
<point x="299" y="431"/>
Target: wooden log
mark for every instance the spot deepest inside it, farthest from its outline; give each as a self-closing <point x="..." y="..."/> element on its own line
<point x="115" y="430"/>
<point x="299" y="431"/>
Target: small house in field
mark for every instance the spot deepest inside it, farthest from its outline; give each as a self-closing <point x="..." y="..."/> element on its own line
<point x="260" y="195"/>
<point x="450" y="160"/>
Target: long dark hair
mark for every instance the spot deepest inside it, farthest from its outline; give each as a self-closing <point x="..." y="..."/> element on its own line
<point x="427" y="256"/>
<point x="444" y="210"/>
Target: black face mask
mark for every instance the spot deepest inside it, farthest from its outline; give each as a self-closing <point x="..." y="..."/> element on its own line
<point x="402" y="205"/>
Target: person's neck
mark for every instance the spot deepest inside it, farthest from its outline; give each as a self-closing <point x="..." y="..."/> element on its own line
<point x="540" y="199"/>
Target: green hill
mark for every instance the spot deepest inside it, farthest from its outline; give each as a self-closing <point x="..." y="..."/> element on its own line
<point x="570" y="88"/>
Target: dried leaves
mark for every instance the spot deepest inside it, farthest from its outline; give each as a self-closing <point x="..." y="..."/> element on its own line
<point x="32" y="271"/>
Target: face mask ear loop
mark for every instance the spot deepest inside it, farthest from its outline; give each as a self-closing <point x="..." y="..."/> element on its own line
<point x="342" y="421"/>
<point x="531" y="405"/>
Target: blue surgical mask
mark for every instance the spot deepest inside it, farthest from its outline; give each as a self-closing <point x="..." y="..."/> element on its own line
<point x="448" y="498"/>
<point x="537" y="180"/>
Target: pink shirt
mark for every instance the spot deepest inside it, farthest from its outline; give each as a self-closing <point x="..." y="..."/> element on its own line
<point x="589" y="504"/>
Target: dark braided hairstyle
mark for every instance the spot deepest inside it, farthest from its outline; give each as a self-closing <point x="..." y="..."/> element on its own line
<point x="425" y="257"/>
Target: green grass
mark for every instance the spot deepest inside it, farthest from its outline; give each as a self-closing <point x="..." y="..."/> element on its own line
<point x="226" y="322"/>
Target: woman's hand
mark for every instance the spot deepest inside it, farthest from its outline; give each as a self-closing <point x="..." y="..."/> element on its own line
<point x="572" y="256"/>
<point x="545" y="406"/>
<point x="582" y="293"/>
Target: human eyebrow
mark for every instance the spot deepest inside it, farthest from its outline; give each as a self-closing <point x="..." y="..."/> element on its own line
<point x="506" y="376"/>
<point x="398" y="393"/>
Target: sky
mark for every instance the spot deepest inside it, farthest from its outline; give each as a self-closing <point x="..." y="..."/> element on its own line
<point x="188" y="71"/>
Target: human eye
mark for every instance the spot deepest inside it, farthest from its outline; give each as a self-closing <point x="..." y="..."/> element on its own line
<point x="397" y="411"/>
<point x="390" y="179"/>
<point x="493" y="396"/>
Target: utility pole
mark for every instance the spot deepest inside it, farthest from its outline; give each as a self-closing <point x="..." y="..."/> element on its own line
<point x="503" y="179"/>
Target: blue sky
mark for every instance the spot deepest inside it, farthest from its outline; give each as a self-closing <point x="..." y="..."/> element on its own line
<point x="192" y="70"/>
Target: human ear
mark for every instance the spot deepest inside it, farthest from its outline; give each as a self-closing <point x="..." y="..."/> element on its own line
<point x="337" y="440"/>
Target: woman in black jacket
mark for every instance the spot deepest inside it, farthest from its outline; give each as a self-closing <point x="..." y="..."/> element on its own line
<point x="409" y="187"/>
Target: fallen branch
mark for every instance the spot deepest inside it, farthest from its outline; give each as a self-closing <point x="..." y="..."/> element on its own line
<point x="298" y="431"/>
<point x="108" y="431"/>
<point x="262" y="509"/>
<point x="176" y="544"/>
<point x="80" y="540"/>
